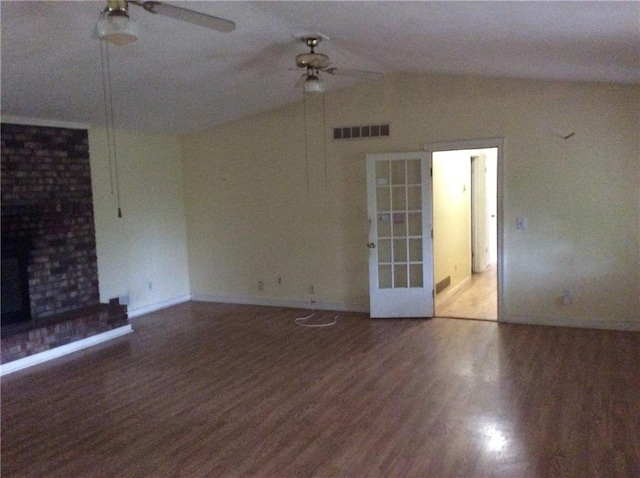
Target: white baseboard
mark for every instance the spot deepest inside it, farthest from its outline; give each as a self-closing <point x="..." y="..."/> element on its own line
<point x="449" y="292"/>
<point x="605" y="324"/>
<point x="273" y="302"/>
<point x="147" y="309"/>
<point x="51" y="354"/>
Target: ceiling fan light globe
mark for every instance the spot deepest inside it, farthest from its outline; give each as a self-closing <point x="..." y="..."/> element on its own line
<point x="117" y="29"/>
<point x="313" y="85"/>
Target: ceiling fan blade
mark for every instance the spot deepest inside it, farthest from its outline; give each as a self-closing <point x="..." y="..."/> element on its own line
<point x="353" y="73"/>
<point x="186" y="15"/>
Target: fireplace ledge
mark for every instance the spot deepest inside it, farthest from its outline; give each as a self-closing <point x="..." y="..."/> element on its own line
<point x="29" y="338"/>
<point x="57" y="352"/>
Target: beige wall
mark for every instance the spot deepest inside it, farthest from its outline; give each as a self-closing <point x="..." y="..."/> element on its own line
<point x="251" y="217"/>
<point x="148" y="244"/>
<point x="451" y="218"/>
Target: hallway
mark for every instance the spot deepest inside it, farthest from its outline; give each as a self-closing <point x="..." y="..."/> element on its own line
<point x="476" y="300"/>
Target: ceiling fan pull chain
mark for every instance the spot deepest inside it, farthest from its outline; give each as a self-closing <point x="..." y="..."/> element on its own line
<point x="106" y="110"/>
<point x="324" y="141"/>
<point x="109" y="117"/>
<point x="306" y="140"/>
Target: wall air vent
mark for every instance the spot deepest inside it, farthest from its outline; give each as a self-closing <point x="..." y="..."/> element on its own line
<point x="362" y="132"/>
<point x="443" y="284"/>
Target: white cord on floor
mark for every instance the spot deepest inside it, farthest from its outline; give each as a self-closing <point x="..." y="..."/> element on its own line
<point x="300" y="320"/>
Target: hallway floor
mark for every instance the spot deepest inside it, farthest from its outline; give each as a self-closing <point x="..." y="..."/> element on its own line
<point x="476" y="300"/>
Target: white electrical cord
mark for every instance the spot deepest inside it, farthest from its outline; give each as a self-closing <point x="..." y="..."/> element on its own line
<point x="300" y="320"/>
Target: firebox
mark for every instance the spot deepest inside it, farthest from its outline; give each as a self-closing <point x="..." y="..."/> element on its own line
<point x="15" y="305"/>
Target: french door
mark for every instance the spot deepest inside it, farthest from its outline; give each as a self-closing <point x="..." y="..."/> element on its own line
<point x="400" y="242"/>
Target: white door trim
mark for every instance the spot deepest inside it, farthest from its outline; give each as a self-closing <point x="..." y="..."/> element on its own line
<point x="486" y="143"/>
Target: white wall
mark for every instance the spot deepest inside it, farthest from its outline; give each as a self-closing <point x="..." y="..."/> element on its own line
<point x="451" y="217"/>
<point x="147" y="245"/>
<point x="250" y="216"/>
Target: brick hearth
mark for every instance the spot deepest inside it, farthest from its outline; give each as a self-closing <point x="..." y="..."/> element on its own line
<point x="22" y="340"/>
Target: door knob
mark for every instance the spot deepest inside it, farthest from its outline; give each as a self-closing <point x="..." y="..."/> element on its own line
<point x="371" y="245"/>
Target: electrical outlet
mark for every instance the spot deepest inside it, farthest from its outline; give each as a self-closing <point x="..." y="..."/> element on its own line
<point x="150" y="285"/>
<point x="312" y="289"/>
<point x="280" y="280"/>
<point x="260" y="285"/>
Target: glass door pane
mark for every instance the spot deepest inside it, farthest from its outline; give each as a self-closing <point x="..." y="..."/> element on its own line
<point x="399" y="223"/>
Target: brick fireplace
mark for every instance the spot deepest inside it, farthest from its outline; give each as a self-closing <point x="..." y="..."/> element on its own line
<point x="49" y="267"/>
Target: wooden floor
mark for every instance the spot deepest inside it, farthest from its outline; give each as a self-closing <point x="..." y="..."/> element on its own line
<point x="478" y="299"/>
<point x="230" y="391"/>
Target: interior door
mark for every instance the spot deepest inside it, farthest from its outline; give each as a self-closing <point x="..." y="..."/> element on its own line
<point x="479" y="214"/>
<point x="400" y="243"/>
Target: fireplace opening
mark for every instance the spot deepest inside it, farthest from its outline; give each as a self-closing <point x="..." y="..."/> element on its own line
<point x="15" y="303"/>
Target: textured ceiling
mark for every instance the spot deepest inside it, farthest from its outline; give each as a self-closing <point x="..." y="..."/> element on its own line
<point x="179" y="77"/>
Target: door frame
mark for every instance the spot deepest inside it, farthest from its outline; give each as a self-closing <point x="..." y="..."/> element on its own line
<point x="434" y="147"/>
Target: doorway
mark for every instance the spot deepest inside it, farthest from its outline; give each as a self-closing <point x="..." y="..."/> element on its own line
<point x="466" y="223"/>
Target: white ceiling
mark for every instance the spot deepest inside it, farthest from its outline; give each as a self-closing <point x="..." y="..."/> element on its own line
<point x="178" y="77"/>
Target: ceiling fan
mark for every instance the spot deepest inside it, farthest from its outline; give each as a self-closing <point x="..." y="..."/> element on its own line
<point x="116" y="27"/>
<point x="313" y="63"/>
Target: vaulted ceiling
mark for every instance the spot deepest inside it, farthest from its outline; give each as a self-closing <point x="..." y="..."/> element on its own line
<point x="179" y="77"/>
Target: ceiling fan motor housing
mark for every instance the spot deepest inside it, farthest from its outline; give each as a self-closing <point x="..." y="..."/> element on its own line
<point x="317" y="61"/>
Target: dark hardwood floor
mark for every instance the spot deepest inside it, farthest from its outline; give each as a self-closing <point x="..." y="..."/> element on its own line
<point x="225" y="390"/>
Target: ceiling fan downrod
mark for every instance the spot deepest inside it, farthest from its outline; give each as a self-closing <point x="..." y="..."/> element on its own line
<point x="312" y="42"/>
